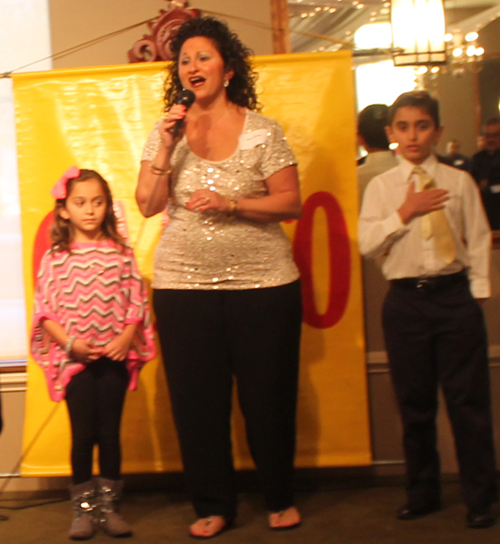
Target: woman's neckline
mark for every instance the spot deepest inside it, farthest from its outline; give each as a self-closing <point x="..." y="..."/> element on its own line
<point x="247" y="112"/>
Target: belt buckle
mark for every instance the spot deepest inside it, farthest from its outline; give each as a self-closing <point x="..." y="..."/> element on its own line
<point x="424" y="284"/>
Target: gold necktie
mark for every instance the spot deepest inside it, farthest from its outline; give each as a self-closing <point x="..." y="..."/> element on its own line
<point x="435" y="223"/>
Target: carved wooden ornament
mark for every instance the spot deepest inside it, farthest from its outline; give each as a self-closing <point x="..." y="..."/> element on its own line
<point x="156" y="46"/>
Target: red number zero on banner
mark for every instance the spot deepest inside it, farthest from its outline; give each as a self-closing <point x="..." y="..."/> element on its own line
<point x="339" y="254"/>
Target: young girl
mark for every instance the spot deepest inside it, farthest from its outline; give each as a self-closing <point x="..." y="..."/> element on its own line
<point x="91" y="335"/>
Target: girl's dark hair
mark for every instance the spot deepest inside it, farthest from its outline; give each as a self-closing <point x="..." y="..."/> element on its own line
<point x="236" y="56"/>
<point x="62" y="231"/>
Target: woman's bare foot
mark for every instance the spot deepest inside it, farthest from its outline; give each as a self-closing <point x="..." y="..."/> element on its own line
<point x="208" y="527"/>
<point x="286" y="519"/>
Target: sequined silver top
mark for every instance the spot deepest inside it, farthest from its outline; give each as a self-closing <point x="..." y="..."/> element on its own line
<point x="211" y="250"/>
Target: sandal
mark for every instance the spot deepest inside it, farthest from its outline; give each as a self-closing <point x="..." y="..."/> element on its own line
<point x="276" y="519"/>
<point x="210" y="527"/>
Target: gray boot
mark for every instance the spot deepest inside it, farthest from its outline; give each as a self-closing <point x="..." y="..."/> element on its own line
<point x="84" y="503"/>
<point x="109" y="498"/>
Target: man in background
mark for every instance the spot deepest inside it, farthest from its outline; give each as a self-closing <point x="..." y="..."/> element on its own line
<point x="372" y="136"/>
<point x="454" y="158"/>
<point x="486" y="171"/>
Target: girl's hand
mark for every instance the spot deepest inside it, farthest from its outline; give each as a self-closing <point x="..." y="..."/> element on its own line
<point x="166" y="128"/>
<point x="85" y="351"/>
<point x="205" y="199"/>
<point x="118" y="348"/>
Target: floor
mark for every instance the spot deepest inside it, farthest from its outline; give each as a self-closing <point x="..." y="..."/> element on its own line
<point x="338" y="516"/>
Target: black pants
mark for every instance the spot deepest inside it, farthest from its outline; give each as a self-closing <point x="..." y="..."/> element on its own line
<point x="95" y="400"/>
<point x="432" y="337"/>
<point x="207" y="337"/>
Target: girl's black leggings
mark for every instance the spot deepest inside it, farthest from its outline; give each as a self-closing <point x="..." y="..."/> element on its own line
<point x="95" y="400"/>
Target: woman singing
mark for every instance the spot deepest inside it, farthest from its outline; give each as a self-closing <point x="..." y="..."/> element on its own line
<point x="226" y="290"/>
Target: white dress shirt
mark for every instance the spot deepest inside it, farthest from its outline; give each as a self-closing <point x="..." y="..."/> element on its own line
<point x="408" y="254"/>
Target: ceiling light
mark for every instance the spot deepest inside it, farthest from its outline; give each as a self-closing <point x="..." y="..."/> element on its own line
<point x="470" y="51"/>
<point x="418" y="29"/>
<point x="471" y="37"/>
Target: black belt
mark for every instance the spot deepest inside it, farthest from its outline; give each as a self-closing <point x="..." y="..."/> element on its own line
<point x="430" y="283"/>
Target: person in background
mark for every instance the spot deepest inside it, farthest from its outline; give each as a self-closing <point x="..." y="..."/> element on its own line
<point x="456" y="159"/>
<point x="486" y="171"/>
<point x="372" y="136"/>
<point x="372" y="122"/>
<point x="427" y="218"/>
<point x="91" y="336"/>
<point x="227" y="293"/>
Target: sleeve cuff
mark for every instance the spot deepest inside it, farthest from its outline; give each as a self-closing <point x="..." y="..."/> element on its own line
<point x="480" y="288"/>
<point x="133" y="320"/>
<point x="393" y="225"/>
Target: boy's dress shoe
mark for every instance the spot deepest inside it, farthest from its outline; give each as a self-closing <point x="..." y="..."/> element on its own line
<point x="409" y="511"/>
<point x="480" y="520"/>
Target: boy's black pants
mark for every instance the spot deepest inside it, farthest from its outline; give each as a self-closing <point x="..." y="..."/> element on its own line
<point x="437" y="336"/>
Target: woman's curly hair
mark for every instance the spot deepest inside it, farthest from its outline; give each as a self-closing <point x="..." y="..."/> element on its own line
<point x="236" y="56"/>
<point x="62" y="232"/>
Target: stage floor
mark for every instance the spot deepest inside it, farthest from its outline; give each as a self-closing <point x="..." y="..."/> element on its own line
<point x="341" y="516"/>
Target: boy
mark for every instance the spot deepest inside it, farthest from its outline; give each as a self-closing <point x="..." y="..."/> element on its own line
<point x="428" y="220"/>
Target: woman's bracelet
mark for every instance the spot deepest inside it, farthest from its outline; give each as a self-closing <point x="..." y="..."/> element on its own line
<point x="233" y="207"/>
<point x="69" y="344"/>
<point x="159" y="171"/>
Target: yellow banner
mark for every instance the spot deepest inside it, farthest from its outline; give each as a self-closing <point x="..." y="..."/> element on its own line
<point x="99" y="118"/>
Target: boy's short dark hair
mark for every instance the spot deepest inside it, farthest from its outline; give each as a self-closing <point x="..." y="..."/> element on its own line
<point x="371" y="125"/>
<point x="416" y="99"/>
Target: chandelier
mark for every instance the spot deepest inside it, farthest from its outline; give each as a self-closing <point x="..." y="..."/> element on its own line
<point x="418" y="30"/>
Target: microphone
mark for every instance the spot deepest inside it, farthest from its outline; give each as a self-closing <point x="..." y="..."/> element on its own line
<point x="186" y="98"/>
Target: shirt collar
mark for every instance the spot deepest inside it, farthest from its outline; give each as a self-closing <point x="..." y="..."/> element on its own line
<point x="377" y="157"/>
<point x="429" y="165"/>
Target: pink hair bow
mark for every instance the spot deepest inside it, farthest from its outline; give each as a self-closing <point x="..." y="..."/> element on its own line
<point x="59" y="191"/>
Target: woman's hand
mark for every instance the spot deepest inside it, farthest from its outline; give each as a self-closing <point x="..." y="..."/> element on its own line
<point x="167" y="126"/>
<point x="205" y="199"/>
<point x="85" y="352"/>
<point x="282" y="203"/>
<point x="153" y="187"/>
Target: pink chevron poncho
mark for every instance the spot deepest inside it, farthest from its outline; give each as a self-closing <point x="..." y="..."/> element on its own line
<point x="92" y="291"/>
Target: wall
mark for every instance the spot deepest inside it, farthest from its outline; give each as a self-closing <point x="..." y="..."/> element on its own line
<point x="78" y="21"/>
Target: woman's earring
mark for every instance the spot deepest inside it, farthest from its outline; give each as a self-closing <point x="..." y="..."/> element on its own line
<point x="226" y="83"/>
